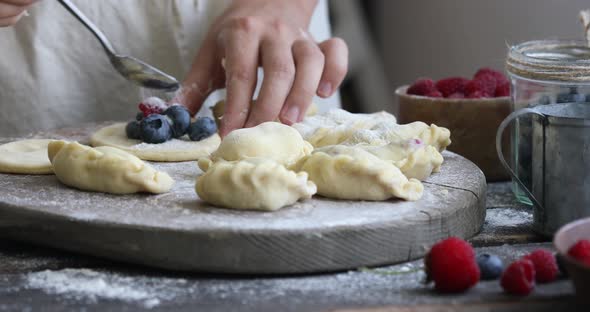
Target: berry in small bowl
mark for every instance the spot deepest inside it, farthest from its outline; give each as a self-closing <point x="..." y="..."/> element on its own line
<point x="472" y="108"/>
<point x="572" y="242"/>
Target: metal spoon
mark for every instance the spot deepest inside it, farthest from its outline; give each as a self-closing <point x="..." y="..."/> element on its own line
<point x="131" y="68"/>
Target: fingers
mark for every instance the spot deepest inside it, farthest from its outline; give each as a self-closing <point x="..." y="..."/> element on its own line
<point x="241" y="54"/>
<point x="21" y="3"/>
<point x="335" y="68"/>
<point x="10" y="14"/>
<point x="279" y="72"/>
<point x="309" y="62"/>
<point x="205" y="76"/>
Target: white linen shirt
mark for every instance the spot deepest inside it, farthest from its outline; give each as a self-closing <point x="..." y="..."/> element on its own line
<point x="53" y="72"/>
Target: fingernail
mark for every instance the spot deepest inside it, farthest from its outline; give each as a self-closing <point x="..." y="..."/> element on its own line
<point x="291" y="115"/>
<point x="325" y="89"/>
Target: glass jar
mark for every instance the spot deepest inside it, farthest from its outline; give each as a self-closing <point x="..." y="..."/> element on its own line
<point x="543" y="72"/>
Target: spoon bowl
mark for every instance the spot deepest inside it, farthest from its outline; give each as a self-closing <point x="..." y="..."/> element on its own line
<point x="143" y="74"/>
<point x="133" y="69"/>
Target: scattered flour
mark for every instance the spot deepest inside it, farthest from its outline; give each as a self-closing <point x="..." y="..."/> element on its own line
<point x="508" y="217"/>
<point x="182" y="143"/>
<point x="92" y="285"/>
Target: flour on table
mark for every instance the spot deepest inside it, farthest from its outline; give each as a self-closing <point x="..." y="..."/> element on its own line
<point x="90" y="285"/>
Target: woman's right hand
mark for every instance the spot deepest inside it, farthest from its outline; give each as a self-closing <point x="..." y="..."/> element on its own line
<point x="11" y="11"/>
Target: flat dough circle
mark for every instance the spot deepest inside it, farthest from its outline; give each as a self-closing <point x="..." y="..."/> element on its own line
<point x="25" y="157"/>
<point x="174" y="150"/>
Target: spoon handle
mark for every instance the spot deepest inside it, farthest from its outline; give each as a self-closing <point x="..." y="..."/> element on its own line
<point x="106" y="44"/>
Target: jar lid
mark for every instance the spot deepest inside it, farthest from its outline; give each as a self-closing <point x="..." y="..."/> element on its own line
<point x="550" y="60"/>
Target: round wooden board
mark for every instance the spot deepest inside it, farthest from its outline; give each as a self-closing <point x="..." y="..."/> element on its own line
<point x="180" y="232"/>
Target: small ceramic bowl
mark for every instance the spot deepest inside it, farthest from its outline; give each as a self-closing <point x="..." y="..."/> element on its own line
<point x="565" y="237"/>
<point x="473" y="124"/>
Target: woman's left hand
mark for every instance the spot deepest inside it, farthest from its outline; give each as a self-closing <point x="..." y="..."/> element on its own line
<point x="271" y="34"/>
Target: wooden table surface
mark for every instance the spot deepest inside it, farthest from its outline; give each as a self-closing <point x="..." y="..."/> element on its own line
<point x="35" y="278"/>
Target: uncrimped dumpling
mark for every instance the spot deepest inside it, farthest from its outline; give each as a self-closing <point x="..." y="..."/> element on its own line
<point x="348" y="172"/>
<point x="270" y="140"/>
<point x="105" y="169"/>
<point x="25" y="157"/>
<point x="254" y="183"/>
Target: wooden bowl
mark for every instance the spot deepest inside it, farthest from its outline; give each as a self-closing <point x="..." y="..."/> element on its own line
<point x="473" y="124"/>
<point x="565" y="237"/>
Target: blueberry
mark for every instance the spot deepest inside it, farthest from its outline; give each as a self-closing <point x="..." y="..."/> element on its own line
<point x="132" y="130"/>
<point x="155" y="128"/>
<point x="139" y="116"/>
<point x="490" y="266"/>
<point x="571" y="97"/>
<point x="544" y="100"/>
<point x="578" y="98"/>
<point x="180" y="118"/>
<point x="202" y="128"/>
<point x="563" y="98"/>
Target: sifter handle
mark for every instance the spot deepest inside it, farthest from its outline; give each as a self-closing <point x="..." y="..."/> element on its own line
<point x="513" y="116"/>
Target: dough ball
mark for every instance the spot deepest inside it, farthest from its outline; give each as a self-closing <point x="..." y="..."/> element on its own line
<point x="105" y="169"/>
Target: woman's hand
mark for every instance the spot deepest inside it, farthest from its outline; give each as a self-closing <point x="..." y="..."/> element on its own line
<point x="272" y="34"/>
<point x="11" y="11"/>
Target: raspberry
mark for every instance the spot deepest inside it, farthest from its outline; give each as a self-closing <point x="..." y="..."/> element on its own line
<point x="519" y="277"/>
<point x="502" y="89"/>
<point x="434" y="94"/>
<point x="422" y="86"/>
<point x="476" y="95"/>
<point x="451" y="85"/>
<point x="152" y="105"/>
<point x="546" y="269"/>
<point x="581" y="251"/>
<point x="456" y="95"/>
<point x="500" y="77"/>
<point x="451" y="264"/>
<point x="485" y="83"/>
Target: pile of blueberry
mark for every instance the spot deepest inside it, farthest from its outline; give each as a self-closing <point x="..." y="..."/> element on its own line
<point x="158" y="123"/>
<point x="573" y="96"/>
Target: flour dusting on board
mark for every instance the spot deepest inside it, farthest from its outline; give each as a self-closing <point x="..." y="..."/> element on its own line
<point x="182" y="143"/>
<point x="85" y="284"/>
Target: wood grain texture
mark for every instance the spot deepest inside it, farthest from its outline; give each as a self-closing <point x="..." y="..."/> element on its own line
<point x="180" y="232"/>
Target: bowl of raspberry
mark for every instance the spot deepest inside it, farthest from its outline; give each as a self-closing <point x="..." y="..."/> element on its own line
<point x="572" y="242"/>
<point x="472" y="108"/>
